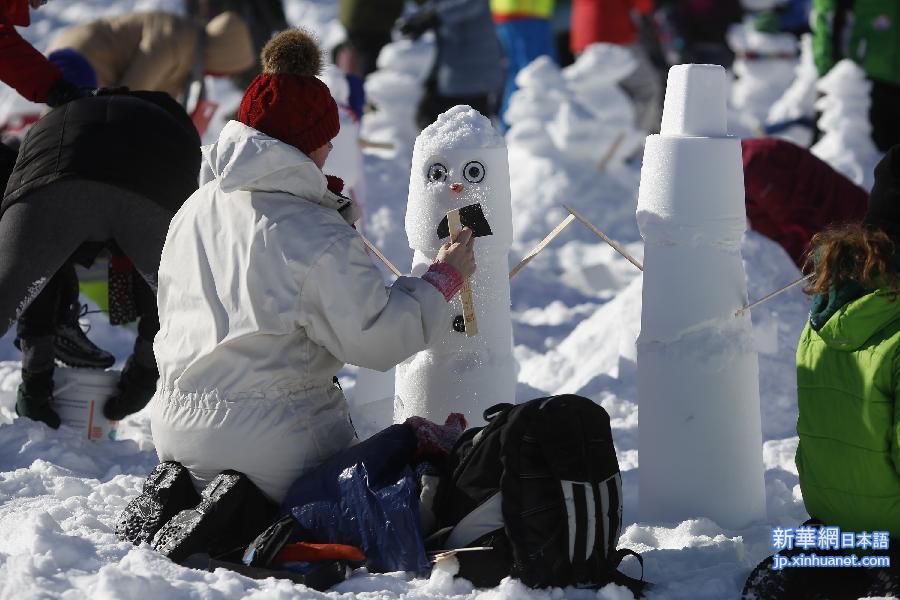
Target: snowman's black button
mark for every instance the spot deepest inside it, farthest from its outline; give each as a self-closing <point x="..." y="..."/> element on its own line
<point x="459" y="324"/>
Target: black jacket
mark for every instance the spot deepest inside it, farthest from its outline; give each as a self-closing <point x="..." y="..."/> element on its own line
<point x="143" y="142"/>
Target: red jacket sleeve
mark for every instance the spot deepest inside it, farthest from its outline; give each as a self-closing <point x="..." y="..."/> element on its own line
<point x="23" y="67"/>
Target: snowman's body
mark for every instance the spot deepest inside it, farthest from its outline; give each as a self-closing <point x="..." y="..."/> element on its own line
<point x="460" y="161"/>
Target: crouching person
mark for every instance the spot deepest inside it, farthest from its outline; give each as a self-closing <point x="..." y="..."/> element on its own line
<point x="266" y="290"/>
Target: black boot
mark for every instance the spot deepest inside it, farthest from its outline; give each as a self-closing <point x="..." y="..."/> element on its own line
<point x="137" y="384"/>
<point x="72" y="346"/>
<point x="33" y="398"/>
<point x="167" y="491"/>
<point x="198" y="529"/>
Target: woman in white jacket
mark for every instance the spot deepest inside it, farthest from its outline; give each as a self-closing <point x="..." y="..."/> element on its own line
<point x="266" y="290"/>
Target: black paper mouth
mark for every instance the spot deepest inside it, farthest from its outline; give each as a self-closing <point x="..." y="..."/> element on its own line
<point x="470" y="216"/>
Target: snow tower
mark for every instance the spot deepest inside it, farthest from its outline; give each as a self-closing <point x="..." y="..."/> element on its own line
<point x="699" y="433"/>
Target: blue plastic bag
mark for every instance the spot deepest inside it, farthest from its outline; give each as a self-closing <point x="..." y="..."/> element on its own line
<point x="383" y="523"/>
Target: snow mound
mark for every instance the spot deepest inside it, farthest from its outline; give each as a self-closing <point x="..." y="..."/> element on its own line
<point x="460" y="127"/>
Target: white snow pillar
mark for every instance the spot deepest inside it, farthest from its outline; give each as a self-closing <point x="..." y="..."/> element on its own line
<point x="699" y="434"/>
<point x="460" y="161"/>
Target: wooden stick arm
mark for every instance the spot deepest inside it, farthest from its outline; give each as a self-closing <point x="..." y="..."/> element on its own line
<point x="366" y="144"/>
<point x="768" y="297"/>
<point x="543" y="244"/>
<point x="603" y="236"/>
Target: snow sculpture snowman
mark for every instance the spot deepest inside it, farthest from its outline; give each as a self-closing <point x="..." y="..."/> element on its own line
<point x="460" y="162"/>
<point x="700" y="434"/>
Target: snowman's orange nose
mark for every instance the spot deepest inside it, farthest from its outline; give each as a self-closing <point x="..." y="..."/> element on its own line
<point x="457" y="187"/>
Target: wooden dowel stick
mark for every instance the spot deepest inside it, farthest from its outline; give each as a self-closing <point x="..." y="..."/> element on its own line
<point x="383" y="258"/>
<point x="603" y="236"/>
<point x="367" y="144"/>
<point x="465" y="293"/>
<point x="543" y="244"/>
<point x="768" y="297"/>
<point x="604" y="162"/>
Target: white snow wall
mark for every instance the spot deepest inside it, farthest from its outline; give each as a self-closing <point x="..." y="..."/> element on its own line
<point x="699" y="434"/>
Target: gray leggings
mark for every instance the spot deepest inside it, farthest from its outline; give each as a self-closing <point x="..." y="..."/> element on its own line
<point x="43" y="229"/>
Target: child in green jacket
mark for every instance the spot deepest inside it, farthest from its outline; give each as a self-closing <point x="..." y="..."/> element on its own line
<point x="848" y="369"/>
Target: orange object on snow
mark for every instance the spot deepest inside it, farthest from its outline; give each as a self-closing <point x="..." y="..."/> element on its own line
<point x="306" y="552"/>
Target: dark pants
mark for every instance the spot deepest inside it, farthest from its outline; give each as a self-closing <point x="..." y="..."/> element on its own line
<point x="52" y="306"/>
<point x="367" y="45"/>
<point x="884" y="115"/>
<point x="40" y="233"/>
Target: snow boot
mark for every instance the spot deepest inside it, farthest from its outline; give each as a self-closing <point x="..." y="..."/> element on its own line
<point x="33" y="398"/>
<point x="72" y="346"/>
<point x="137" y="384"/>
<point x="168" y="490"/>
<point x="230" y="507"/>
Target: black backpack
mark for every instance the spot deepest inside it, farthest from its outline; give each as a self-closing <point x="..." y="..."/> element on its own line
<point x="540" y="485"/>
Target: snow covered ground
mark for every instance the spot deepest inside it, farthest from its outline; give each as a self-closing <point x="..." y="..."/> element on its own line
<point x="576" y="316"/>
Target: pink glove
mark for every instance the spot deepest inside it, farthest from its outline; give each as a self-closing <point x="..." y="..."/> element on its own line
<point x="436" y="440"/>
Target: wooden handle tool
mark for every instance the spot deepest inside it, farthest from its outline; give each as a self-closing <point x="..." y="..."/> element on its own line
<point x="465" y="294"/>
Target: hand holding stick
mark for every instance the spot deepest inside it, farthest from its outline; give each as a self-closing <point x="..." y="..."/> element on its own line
<point x="465" y="293"/>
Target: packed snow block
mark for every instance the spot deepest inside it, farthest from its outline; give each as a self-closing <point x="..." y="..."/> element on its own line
<point x="535" y="103"/>
<point x="700" y="434"/>
<point x="600" y="65"/>
<point x="593" y="81"/>
<point x="542" y="72"/>
<point x="395" y="96"/>
<point x="531" y="135"/>
<point x="694" y="224"/>
<point x="459" y="373"/>
<point x="414" y="58"/>
<point x="846" y="143"/>
<point x="696" y="102"/>
<point x="578" y="134"/>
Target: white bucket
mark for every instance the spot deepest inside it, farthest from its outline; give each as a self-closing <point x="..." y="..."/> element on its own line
<point x="79" y="396"/>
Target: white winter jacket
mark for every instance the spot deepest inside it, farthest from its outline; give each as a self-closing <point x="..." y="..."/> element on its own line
<point x="265" y="291"/>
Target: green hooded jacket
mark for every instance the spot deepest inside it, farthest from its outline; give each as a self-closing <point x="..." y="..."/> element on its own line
<point x="867" y="33"/>
<point x="848" y="380"/>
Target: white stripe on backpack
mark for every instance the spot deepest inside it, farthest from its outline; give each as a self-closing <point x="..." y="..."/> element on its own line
<point x="487" y="517"/>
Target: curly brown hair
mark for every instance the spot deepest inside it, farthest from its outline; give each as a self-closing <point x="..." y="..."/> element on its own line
<point x="852" y="252"/>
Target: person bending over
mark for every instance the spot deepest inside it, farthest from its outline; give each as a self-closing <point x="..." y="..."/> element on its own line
<point x="104" y="172"/>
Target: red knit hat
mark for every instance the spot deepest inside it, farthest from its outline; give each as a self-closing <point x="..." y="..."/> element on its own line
<point x="287" y="101"/>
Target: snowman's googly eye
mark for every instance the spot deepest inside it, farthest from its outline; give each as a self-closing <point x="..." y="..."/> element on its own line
<point x="473" y="172"/>
<point x="437" y="173"/>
